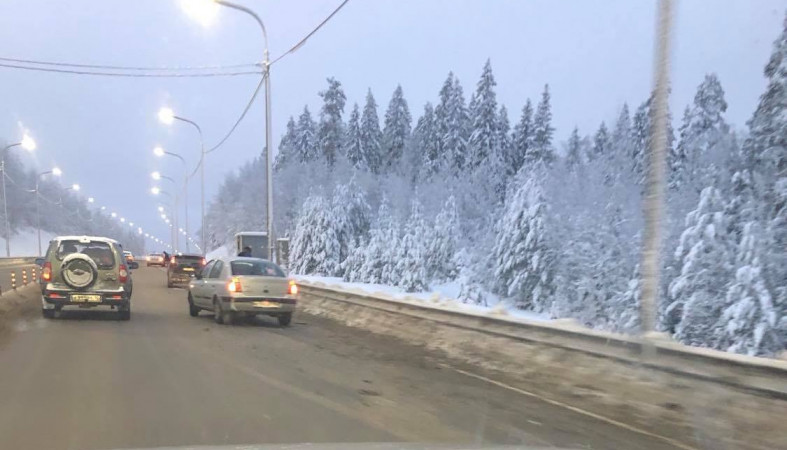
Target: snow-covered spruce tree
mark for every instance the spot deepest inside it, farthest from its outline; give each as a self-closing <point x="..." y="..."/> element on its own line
<point x="504" y="139"/>
<point x="331" y="131"/>
<point x="705" y="142"/>
<point x="287" y="152"/>
<point x="705" y="255"/>
<point x="411" y="269"/>
<point x="353" y="265"/>
<point x="452" y="121"/>
<point x="352" y="215"/>
<point x="379" y="257"/>
<point x="314" y="245"/>
<point x="522" y="261"/>
<point x="427" y="143"/>
<point x="396" y="131"/>
<point x="574" y="151"/>
<point x="522" y="140"/>
<point x="483" y="141"/>
<point x="601" y="144"/>
<point x="541" y="150"/>
<point x="749" y="325"/>
<point x="441" y="249"/>
<point x="305" y="137"/>
<point x="353" y="142"/>
<point x="641" y="137"/>
<point x="765" y="159"/>
<point x="371" y="136"/>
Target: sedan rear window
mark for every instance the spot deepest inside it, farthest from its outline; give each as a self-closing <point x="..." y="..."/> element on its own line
<point x="100" y="252"/>
<point x="258" y="268"/>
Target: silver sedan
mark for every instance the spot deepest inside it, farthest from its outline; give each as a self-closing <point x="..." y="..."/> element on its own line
<point x="231" y="287"/>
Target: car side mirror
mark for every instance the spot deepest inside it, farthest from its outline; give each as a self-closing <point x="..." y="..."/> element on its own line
<point x="133" y="265"/>
<point x="198" y="276"/>
<point x="40" y="261"/>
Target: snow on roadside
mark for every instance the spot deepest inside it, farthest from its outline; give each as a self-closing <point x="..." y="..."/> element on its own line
<point x="25" y="242"/>
<point x="442" y="296"/>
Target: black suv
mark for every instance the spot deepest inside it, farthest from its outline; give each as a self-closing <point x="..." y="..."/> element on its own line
<point x="182" y="268"/>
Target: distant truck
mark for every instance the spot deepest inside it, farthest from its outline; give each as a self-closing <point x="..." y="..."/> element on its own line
<point x="258" y="242"/>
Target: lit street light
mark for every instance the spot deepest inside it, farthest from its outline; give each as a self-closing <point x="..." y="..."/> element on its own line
<point x="203" y="11"/>
<point x="167" y="117"/>
<point x="90" y="200"/>
<point x="56" y="172"/>
<point x="28" y="144"/>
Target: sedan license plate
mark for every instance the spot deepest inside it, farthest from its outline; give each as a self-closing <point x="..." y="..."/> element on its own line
<point x="266" y="304"/>
<point x="90" y="298"/>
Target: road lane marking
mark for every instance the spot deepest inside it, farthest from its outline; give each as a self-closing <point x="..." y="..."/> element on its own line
<point x="573" y="408"/>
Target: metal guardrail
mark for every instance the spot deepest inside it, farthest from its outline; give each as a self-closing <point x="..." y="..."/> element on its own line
<point x="761" y="376"/>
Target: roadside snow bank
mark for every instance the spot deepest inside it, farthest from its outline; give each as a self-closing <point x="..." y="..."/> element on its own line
<point x="443" y="296"/>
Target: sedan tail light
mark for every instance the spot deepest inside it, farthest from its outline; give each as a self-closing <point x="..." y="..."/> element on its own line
<point x="123" y="273"/>
<point x="46" y="273"/>
<point x="293" y="288"/>
<point x="234" y="285"/>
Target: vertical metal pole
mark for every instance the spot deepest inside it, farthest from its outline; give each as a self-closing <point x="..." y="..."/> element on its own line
<point x="202" y="196"/>
<point x="5" y="213"/>
<point x="186" y="205"/>
<point x="654" y="198"/>
<point x="38" y="218"/>
<point x="175" y="224"/>
<point x="269" y="157"/>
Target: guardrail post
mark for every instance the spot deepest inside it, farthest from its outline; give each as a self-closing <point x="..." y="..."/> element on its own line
<point x="13" y="280"/>
<point x="24" y="277"/>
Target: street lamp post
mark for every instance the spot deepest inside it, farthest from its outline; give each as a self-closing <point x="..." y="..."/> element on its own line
<point x="56" y="172"/>
<point x="158" y="151"/>
<point x="268" y="136"/>
<point x="167" y="116"/>
<point x="28" y="144"/>
<point x="157" y="191"/>
<point x="158" y="176"/>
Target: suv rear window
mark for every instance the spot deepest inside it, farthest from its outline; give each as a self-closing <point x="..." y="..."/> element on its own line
<point x="100" y="252"/>
<point x="260" y="268"/>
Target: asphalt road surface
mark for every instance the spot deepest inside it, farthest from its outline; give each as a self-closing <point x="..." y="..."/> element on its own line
<point x="88" y="381"/>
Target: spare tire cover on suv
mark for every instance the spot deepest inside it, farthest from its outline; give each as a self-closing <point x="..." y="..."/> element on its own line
<point x="78" y="271"/>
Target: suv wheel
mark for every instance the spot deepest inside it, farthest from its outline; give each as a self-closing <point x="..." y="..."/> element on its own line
<point x="284" y="319"/>
<point x="193" y="310"/>
<point x="48" y="313"/>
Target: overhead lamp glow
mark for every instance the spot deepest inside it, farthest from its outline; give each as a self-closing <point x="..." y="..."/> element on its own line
<point x="122" y="219"/>
<point x="156" y="175"/>
<point x="202" y="11"/>
<point x="75" y="187"/>
<point x="155" y="190"/>
<point x="166" y="116"/>
<point x="90" y="200"/>
<point x="114" y="215"/>
<point x="158" y="151"/>
<point x="160" y="209"/>
<point x="28" y="143"/>
<point x="57" y="172"/>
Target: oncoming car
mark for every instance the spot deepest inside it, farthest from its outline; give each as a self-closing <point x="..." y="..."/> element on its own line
<point x="86" y="272"/>
<point x="240" y="286"/>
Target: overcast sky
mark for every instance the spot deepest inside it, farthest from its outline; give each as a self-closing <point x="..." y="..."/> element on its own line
<point x="100" y="131"/>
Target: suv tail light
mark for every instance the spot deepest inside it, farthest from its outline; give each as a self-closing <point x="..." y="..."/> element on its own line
<point x="46" y="273"/>
<point x="293" y="288"/>
<point x="123" y="273"/>
<point x="234" y="285"/>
